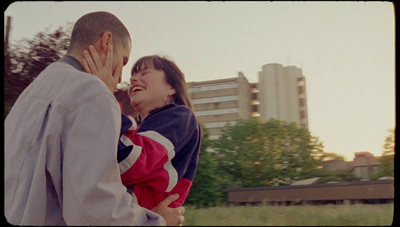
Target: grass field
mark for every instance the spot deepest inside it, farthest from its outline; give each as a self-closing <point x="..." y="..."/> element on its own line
<point x="322" y="215"/>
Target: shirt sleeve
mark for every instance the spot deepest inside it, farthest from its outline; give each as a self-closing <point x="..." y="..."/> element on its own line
<point x="93" y="193"/>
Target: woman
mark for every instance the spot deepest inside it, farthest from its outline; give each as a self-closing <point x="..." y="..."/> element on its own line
<point x="158" y="156"/>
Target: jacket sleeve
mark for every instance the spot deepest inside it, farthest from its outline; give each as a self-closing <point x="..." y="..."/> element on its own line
<point x="93" y="193"/>
<point x="149" y="161"/>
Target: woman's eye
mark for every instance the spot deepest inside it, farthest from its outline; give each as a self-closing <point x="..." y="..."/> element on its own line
<point x="146" y="72"/>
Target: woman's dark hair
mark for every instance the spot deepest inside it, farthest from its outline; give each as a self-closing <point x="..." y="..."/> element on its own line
<point x="173" y="76"/>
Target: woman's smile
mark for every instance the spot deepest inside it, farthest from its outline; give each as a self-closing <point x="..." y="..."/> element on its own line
<point x="135" y="89"/>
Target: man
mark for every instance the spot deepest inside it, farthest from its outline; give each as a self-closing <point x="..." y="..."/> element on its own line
<point x="61" y="140"/>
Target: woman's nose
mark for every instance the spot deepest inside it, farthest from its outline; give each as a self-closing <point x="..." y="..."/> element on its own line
<point x="133" y="79"/>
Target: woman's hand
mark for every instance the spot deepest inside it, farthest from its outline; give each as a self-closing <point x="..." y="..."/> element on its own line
<point x="172" y="216"/>
<point x="93" y="65"/>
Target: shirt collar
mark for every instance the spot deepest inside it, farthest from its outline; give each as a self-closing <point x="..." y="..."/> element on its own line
<point x="72" y="61"/>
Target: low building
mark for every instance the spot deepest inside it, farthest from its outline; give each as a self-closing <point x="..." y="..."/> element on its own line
<point x="335" y="165"/>
<point x="363" y="165"/>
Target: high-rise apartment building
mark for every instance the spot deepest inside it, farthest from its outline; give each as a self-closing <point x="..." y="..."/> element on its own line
<point x="280" y="93"/>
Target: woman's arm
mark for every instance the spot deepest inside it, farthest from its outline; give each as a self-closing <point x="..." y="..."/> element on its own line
<point x="161" y="156"/>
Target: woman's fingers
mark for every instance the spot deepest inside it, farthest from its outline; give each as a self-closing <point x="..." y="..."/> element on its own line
<point x="90" y="65"/>
<point x="93" y="61"/>
<point x="95" y="56"/>
<point x="93" y="64"/>
<point x="86" y="66"/>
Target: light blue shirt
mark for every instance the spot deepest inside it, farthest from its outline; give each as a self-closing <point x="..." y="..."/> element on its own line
<point x="60" y="155"/>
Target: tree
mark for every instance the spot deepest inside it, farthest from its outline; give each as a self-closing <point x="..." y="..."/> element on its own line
<point x="336" y="176"/>
<point x="28" y="57"/>
<point x="388" y="146"/>
<point x="387" y="160"/>
<point x="256" y="153"/>
<point x="206" y="189"/>
<point x="332" y="156"/>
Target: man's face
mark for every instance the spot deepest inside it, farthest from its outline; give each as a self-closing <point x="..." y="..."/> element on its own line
<point x="121" y="54"/>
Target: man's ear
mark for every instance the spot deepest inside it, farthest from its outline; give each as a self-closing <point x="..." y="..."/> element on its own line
<point x="106" y="40"/>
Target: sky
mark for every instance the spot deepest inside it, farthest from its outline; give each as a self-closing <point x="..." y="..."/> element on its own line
<point x="346" y="51"/>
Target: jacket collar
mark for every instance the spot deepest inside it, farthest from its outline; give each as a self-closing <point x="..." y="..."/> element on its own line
<point x="157" y="110"/>
<point x="72" y="61"/>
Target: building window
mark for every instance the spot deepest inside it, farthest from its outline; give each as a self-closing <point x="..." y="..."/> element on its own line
<point x="301" y="89"/>
<point x="254" y="108"/>
<point x="215" y="99"/>
<point x="253" y="96"/>
<point x="216" y="112"/>
<point x="220" y="124"/>
<point x="301" y="102"/>
<point x="212" y="87"/>
<point x="302" y="115"/>
<point x="301" y="82"/>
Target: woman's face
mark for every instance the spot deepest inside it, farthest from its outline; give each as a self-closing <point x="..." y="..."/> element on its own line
<point x="148" y="89"/>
